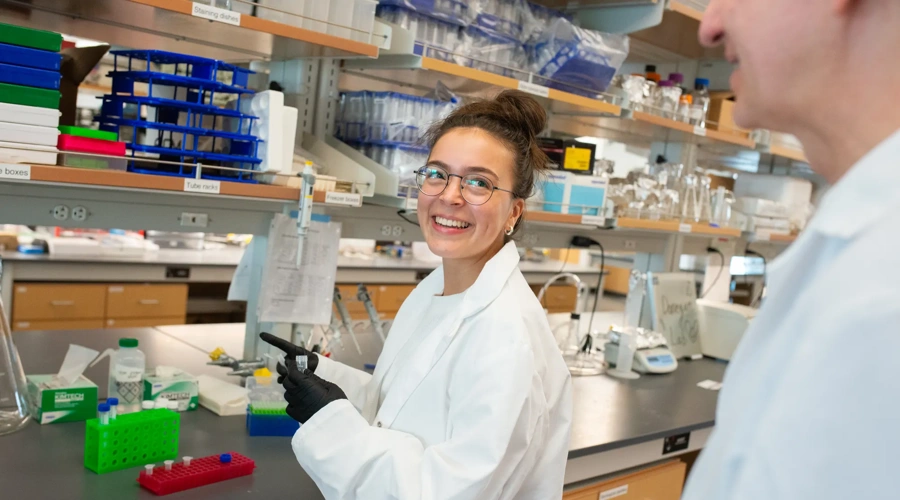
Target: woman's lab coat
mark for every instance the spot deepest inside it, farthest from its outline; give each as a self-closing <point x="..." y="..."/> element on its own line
<point x="482" y="410"/>
<point x="810" y="404"/>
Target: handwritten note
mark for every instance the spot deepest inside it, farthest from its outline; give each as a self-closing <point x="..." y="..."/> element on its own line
<point x="673" y="303"/>
<point x="299" y="295"/>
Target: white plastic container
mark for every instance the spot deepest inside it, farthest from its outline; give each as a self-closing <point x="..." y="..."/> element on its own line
<point x="341" y="18"/>
<point x="11" y="152"/>
<point x="28" y="134"/>
<point x="126" y="375"/>
<point x="364" y="20"/>
<point x="29" y="115"/>
<point x="292" y="10"/>
<point x="316" y="12"/>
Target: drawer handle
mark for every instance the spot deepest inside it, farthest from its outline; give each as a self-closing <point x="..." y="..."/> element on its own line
<point x="148" y="302"/>
<point x="61" y="303"/>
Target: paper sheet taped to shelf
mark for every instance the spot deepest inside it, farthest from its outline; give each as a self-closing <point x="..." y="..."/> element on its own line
<point x="299" y="295"/>
<point x="16" y="172"/>
<point x="206" y="11"/>
<point x="239" y="289"/>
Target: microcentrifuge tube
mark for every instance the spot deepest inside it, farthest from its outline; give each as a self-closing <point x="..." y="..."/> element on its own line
<point x="187" y="461"/>
<point x="149" y="469"/>
<point x="173" y="405"/>
<point x="161" y="403"/>
<point x="168" y="464"/>
<point x="113" y="407"/>
<point x="146" y="405"/>
<point x="302" y="362"/>
<point x="103" y="413"/>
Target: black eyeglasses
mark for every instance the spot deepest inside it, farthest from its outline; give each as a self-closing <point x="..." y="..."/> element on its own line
<point x="475" y="189"/>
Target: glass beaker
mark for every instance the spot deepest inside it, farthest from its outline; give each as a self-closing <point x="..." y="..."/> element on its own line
<point x="704" y="212"/>
<point x="13" y="404"/>
<point x="690" y="199"/>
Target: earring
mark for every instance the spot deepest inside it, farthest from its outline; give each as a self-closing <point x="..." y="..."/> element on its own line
<point x="509" y="231"/>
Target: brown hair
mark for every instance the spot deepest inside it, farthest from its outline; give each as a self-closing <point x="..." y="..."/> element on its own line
<point x="514" y="118"/>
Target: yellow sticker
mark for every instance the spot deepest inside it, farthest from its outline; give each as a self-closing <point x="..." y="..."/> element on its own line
<point x="577" y="159"/>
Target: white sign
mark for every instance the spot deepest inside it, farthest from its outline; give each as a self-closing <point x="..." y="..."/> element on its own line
<point x="533" y="88"/>
<point x="698" y="130"/>
<point x="684" y="228"/>
<point x="216" y="14"/>
<point x="673" y="309"/>
<point x="412" y="203"/>
<point x="348" y="199"/>
<point x="17" y="172"/>
<point x="613" y="493"/>
<point x="202" y="186"/>
<point x="593" y="220"/>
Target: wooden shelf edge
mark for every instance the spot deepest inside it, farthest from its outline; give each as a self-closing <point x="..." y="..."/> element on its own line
<point x="277" y="29"/>
<point x="789" y="153"/>
<point x="672" y="226"/>
<point x="553" y="217"/>
<point x="663" y="122"/>
<point x="737" y="138"/>
<point x="686" y="10"/>
<point x="118" y="179"/>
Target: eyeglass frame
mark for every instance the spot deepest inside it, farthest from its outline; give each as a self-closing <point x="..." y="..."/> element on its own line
<point x="461" y="177"/>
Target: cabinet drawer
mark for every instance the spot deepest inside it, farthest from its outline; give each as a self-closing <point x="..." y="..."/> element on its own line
<point x="660" y="482"/>
<point x="356" y="308"/>
<point x="72" y="324"/>
<point x="144" y="322"/>
<point x="558" y="298"/>
<point x="58" y="302"/>
<point x="146" y="301"/>
<point x="391" y="297"/>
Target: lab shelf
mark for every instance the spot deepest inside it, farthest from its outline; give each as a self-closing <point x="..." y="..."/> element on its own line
<point x="789" y="153"/>
<point x="624" y="223"/>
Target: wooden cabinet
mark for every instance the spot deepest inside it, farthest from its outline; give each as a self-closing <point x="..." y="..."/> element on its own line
<point x="146" y="301"/>
<point x="617" y="279"/>
<point x="356" y="308"/>
<point x="68" y="324"/>
<point x="558" y="298"/>
<point x="50" y="302"/>
<point x="143" y="322"/>
<point x="390" y="298"/>
<point x="659" y="482"/>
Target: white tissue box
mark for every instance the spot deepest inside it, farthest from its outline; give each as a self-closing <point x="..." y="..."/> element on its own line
<point x="51" y="404"/>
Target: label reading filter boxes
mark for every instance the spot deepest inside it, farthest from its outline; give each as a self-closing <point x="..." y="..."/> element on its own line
<point x="15" y="172"/>
<point x="535" y="89"/>
<point x="216" y="14"/>
<point x="202" y="186"/>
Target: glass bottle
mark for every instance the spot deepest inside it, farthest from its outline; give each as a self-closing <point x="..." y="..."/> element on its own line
<point x="700" y="107"/>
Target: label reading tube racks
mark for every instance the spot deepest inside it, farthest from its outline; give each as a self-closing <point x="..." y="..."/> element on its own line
<point x="202" y="186"/>
<point x="215" y="14"/>
<point x="15" y="172"/>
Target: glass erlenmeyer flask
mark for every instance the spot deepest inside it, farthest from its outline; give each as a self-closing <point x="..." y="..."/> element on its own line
<point x="13" y="405"/>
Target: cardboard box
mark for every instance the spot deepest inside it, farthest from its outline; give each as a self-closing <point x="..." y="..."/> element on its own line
<point x="76" y="65"/>
<point x="182" y="387"/>
<point x="74" y="403"/>
<point x="721" y="116"/>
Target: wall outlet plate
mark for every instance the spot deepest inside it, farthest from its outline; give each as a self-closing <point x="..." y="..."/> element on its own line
<point x="189" y="219"/>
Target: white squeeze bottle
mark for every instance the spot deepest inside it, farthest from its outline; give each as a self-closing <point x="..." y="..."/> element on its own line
<point x="126" y="374"/>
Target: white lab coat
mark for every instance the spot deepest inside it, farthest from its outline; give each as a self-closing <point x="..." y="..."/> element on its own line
<point x="482" y="410"/>
<point x="811" y="400"/>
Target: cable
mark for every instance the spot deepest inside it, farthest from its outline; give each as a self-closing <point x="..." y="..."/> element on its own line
<point x="402" y="214"/>
<point x="765" y="266"/>
<point x="566" y="259"/>
<point x="585" y="242"/>
<point x="719" y="274"/>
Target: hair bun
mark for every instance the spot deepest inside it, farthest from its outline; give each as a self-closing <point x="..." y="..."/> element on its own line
<point x="523" y="111"/>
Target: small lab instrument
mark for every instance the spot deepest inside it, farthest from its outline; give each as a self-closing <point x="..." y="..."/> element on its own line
<point x="362" y="294"/>
<point x="577" y="350"/>
<point x="722" y="326"/>
<point x="650" y="353"/>
<point x="306" y="206"/>
<point x="345" y="319"/>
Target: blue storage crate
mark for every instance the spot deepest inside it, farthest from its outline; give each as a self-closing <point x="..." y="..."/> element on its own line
<point x="29" y="77"/>
<point x="271" y="425"/>
<point x="31" y="58"/>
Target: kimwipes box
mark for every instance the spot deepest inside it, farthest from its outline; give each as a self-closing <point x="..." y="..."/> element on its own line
<point x="53" y="402"/>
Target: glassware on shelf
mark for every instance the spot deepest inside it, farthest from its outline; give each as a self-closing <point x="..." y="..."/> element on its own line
<point x="14" y="411"/>
<point x="722" y="201"/>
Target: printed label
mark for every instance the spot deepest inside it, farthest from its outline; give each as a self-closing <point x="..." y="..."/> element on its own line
<point x="412" y="203"/>
<point x="202" y="186"/>
<point x="533" y="88"/>
<point x="701" y="131"/>
<point x="577" y="159"/>
<point x="17" y="172"/>
<point x="684" y="228"/>
<point x="348" y="199"/>
<point x="763" y="235"/>
<point x="613" y="493"/>
<point x="216" y="14"/>
<point x="116" y="289"/>
<point x="126" y="374"/>
<point x="593" y="220"/>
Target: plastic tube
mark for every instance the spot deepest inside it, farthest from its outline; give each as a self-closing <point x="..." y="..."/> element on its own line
<point x="149" y="469"/>
<point x="113" y="407"/>
<point x="172" y="405"/>
<point x="147" y="405"/>
<point x="168" y="464"/>
<point x="103" y="413"/>
<point x="187" y="461"/>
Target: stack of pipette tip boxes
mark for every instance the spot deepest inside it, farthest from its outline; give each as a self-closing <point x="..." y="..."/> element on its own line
<point x="29" y="95"/>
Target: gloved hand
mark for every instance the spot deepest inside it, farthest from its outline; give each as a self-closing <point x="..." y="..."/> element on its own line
<point x="291" y="351"/>
<point x="305" y="393"/>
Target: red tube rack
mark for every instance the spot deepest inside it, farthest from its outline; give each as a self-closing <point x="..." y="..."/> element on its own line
<point x="202" y="471"/>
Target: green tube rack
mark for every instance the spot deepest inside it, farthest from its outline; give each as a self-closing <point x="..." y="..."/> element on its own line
<point x="255" y="410"/>
<point x="27" y="37"/>
<point x="131" y="440"/>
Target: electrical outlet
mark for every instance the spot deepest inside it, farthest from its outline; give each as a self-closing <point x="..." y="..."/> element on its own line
<point x="630" y="244"/>
<point x="397" y="231"/>
<point x="80" y="214"/>
<point x="194" y="220"/>
<point x="386" y="230"/>
<point x="60" y="212"/>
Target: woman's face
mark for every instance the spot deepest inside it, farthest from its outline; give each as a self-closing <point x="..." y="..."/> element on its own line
<point x="453" y="228"/>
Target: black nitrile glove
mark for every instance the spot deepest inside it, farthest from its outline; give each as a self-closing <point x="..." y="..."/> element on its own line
<point x="305" y="393"/>
<point x="291" y="351"/>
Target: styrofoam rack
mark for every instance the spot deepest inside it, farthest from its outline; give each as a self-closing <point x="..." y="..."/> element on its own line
<point x="29" y="115"/>
<point x="28" y="134"/>
<point x="12" y="152"/>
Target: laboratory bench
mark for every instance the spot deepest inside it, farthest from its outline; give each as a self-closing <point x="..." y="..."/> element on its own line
<point x="620" y="433"/>
<point x="176" y="286"/>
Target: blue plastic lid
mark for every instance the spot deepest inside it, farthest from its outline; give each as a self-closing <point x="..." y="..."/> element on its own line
<point x="225" y="458"/>
<point x="112" y="401"/>
<point x="702" y="81"/>
<point x="103" y="407"/>
<point x="369" y="366"/>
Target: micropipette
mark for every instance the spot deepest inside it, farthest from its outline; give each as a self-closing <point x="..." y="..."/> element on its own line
<point x="345" y="318"/>
<point x="363" y="295"/>
<point x="305" y="211"/>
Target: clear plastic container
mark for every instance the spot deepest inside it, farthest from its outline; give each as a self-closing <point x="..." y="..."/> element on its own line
<point x="389" y="117"/>
<point x="667" y="97"/>
<point x="316" y="12"/>
<point x="126" y="375"/>
<point x="340" y="17"/>
<point x="634" y="89"/>
<point x="700" y="106"/>
<point x="492" y="52"/>
<point x="441" y="38"/>
<point x="287" y="11"/>
<point x="364" y="20"/>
